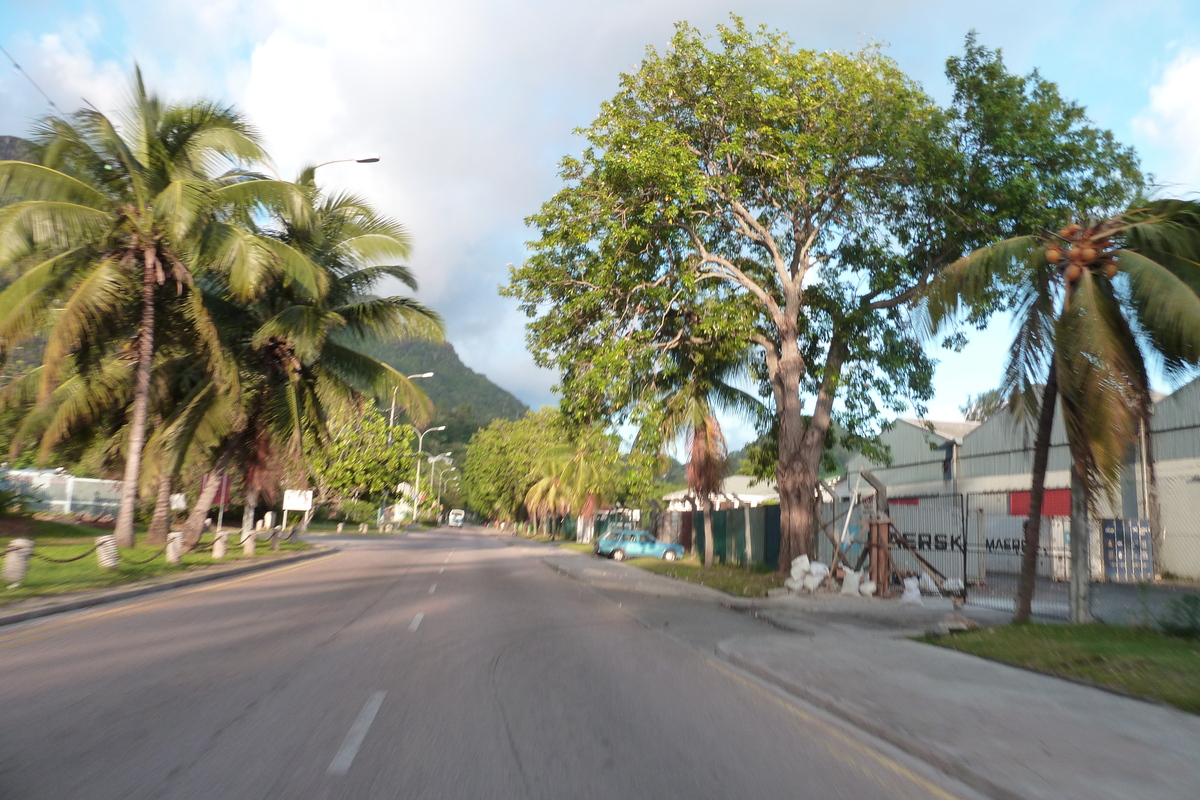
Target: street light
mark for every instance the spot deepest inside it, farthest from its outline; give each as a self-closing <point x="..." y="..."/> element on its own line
<point x="367" y="158"/>
<point x="420" y="452"/>
<point x="392" y="421"/>
<point x="392" y="413"/>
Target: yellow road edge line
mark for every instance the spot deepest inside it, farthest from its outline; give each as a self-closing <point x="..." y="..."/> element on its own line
<point x="842" y="736"/>
<point x="39" y="632"/>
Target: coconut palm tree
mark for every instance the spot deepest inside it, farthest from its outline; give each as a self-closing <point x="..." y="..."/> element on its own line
<point x="118" y="215"/>
<point x="296" y="349"/>
<point x="1092" y="301"/>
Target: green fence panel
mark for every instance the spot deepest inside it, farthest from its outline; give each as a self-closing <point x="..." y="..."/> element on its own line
<point x="756" y="533"/>
<point x="735" y="535"/>
<point x="771" y="540"/>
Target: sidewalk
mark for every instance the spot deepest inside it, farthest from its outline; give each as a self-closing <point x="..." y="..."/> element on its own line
<point x="1008" y="732"/>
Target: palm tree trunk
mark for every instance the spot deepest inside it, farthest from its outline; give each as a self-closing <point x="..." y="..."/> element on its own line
<point x="141" y="404"/>
<point x="1153" y="509"/>
<point x="708" y="535"/>
<point x="248" y="512"/>
<point x="1081" y="547"/>
<point x="193" y="528"/>
<point x="1037" y="493"/>
<point x="160" y="523"/>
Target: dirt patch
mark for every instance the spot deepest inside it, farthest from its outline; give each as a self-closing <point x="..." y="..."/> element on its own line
<point x="12" y="527"/>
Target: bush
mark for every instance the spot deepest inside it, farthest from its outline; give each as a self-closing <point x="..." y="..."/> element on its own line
<point x="358" y="511"/>
<point x="1182" y="617"/>
<point x="14" y="499"/>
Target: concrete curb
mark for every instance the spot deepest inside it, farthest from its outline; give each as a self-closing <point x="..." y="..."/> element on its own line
<point x="118" y="595"/>
<point x="931" y="754"/>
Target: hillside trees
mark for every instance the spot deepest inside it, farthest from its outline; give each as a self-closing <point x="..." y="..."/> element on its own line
<point x="810" y="197"/>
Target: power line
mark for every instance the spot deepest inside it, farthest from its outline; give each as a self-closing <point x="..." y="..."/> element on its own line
<point x="29" y="78"/>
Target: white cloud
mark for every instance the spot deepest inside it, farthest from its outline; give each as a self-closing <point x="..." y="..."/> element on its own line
<point x="1170" y="121"/>
<point x="470" y="104"/>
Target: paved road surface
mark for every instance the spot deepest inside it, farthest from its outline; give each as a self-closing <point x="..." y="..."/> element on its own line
<point x="439" y="665"/>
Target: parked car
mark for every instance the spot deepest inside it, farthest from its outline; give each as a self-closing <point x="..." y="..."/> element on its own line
<point x="456" y="518"/>
<point x="622" y="544"/>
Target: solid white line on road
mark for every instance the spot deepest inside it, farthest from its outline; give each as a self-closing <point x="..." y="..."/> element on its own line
<point x="358" y="732"/>
<point x="416" y="623"/>
<point x="433" y="588"/>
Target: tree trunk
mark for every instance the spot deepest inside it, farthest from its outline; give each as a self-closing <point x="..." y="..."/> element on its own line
<point x="1037" y="493"/>
<point x="801" y="445"/>
<point x="193" y="528"/>
<point x="160" y="523"/>
<point x="137" y="420"/>
<point x="1081" y="560"/>
<point x="1153" y="509"/>
<point x="248" y="512"/>
<point x="708" y="535"/>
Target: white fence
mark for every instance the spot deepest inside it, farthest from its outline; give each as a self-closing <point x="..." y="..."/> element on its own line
<point x="66" y="494"/>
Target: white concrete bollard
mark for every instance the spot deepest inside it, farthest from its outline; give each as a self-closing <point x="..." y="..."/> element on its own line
<point x="362" y="528"/>
<point x="219" y="545"/>
<point x="248" y="542"/>
<point x="269" y="520"/>
<point x="174" y="547"/>
<point x="16" y="561"/>
<point x="341" y="527"/>
<point x="106" y="552"/>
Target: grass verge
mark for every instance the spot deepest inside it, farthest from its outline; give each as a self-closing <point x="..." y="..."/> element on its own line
<point x="578" y="547"/>
<point x="61" y="540"/>
<point x="1137" y="661"/>
<point x="728" y="578"/>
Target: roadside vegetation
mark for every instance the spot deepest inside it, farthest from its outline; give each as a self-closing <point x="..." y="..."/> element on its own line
<point x="60" y="540"/>
<point x="753" y="581"/>
<point x="1138" y="661"/>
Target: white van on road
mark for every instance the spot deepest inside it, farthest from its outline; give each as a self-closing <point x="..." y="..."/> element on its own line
<point x="456" y="518"/>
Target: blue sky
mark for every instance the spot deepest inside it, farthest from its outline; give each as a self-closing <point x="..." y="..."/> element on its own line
<point x="471" y="103"/>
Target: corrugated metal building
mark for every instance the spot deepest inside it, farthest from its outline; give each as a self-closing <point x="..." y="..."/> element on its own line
<point x="987" y="468"/>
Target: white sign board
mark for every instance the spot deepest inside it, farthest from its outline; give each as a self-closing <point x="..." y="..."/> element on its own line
<point x="179" y="502"/>
<point x="297" y="499"/>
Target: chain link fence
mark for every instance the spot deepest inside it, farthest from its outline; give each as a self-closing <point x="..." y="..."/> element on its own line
<point x="60" y="493"/>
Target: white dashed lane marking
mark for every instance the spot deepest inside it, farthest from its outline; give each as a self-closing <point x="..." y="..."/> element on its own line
<point x="416" y="623"/>
<point x="358" y="732"/>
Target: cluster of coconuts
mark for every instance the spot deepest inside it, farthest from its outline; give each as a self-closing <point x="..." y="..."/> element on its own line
<point x="1084" y="250"/>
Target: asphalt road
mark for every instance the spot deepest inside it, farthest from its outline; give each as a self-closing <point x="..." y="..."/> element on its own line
<point x="439" y="665"/>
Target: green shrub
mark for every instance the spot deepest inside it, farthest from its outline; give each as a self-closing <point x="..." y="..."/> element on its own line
<point x="1182" y="617"/>
<point x="358" y="511"/>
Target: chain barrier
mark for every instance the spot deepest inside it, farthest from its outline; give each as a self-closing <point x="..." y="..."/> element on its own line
<point x="146" y="560"/>
<point x="41" y="557"/>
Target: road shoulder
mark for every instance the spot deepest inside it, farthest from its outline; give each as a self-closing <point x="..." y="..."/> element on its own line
<point x="58" y="604"/>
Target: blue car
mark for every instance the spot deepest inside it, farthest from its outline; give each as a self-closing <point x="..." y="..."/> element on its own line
<point x="620" y="545"/>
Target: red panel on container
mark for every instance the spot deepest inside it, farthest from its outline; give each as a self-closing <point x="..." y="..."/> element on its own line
<point x="904" y="501"/>
<point x="1055" y="503"/>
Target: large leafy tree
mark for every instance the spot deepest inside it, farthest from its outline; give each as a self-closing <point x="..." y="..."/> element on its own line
<point x="1093" y="301"/>
<point x="811" y="197"/>
<point x="117" y="215"/>
<point x="502" y="462"/>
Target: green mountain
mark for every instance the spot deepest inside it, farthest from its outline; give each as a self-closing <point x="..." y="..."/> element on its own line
<point x="454" y="388"/>
<point x="13" y="148"/>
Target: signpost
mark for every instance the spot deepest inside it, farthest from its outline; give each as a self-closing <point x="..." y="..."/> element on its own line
<point x="296" y="500"/>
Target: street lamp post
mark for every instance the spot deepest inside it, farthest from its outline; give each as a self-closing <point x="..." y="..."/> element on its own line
<point x="434" y="482"/>
<point x="391" y="422"/>
<point x="420" y="452"/>
<point x="368" y="158"/>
